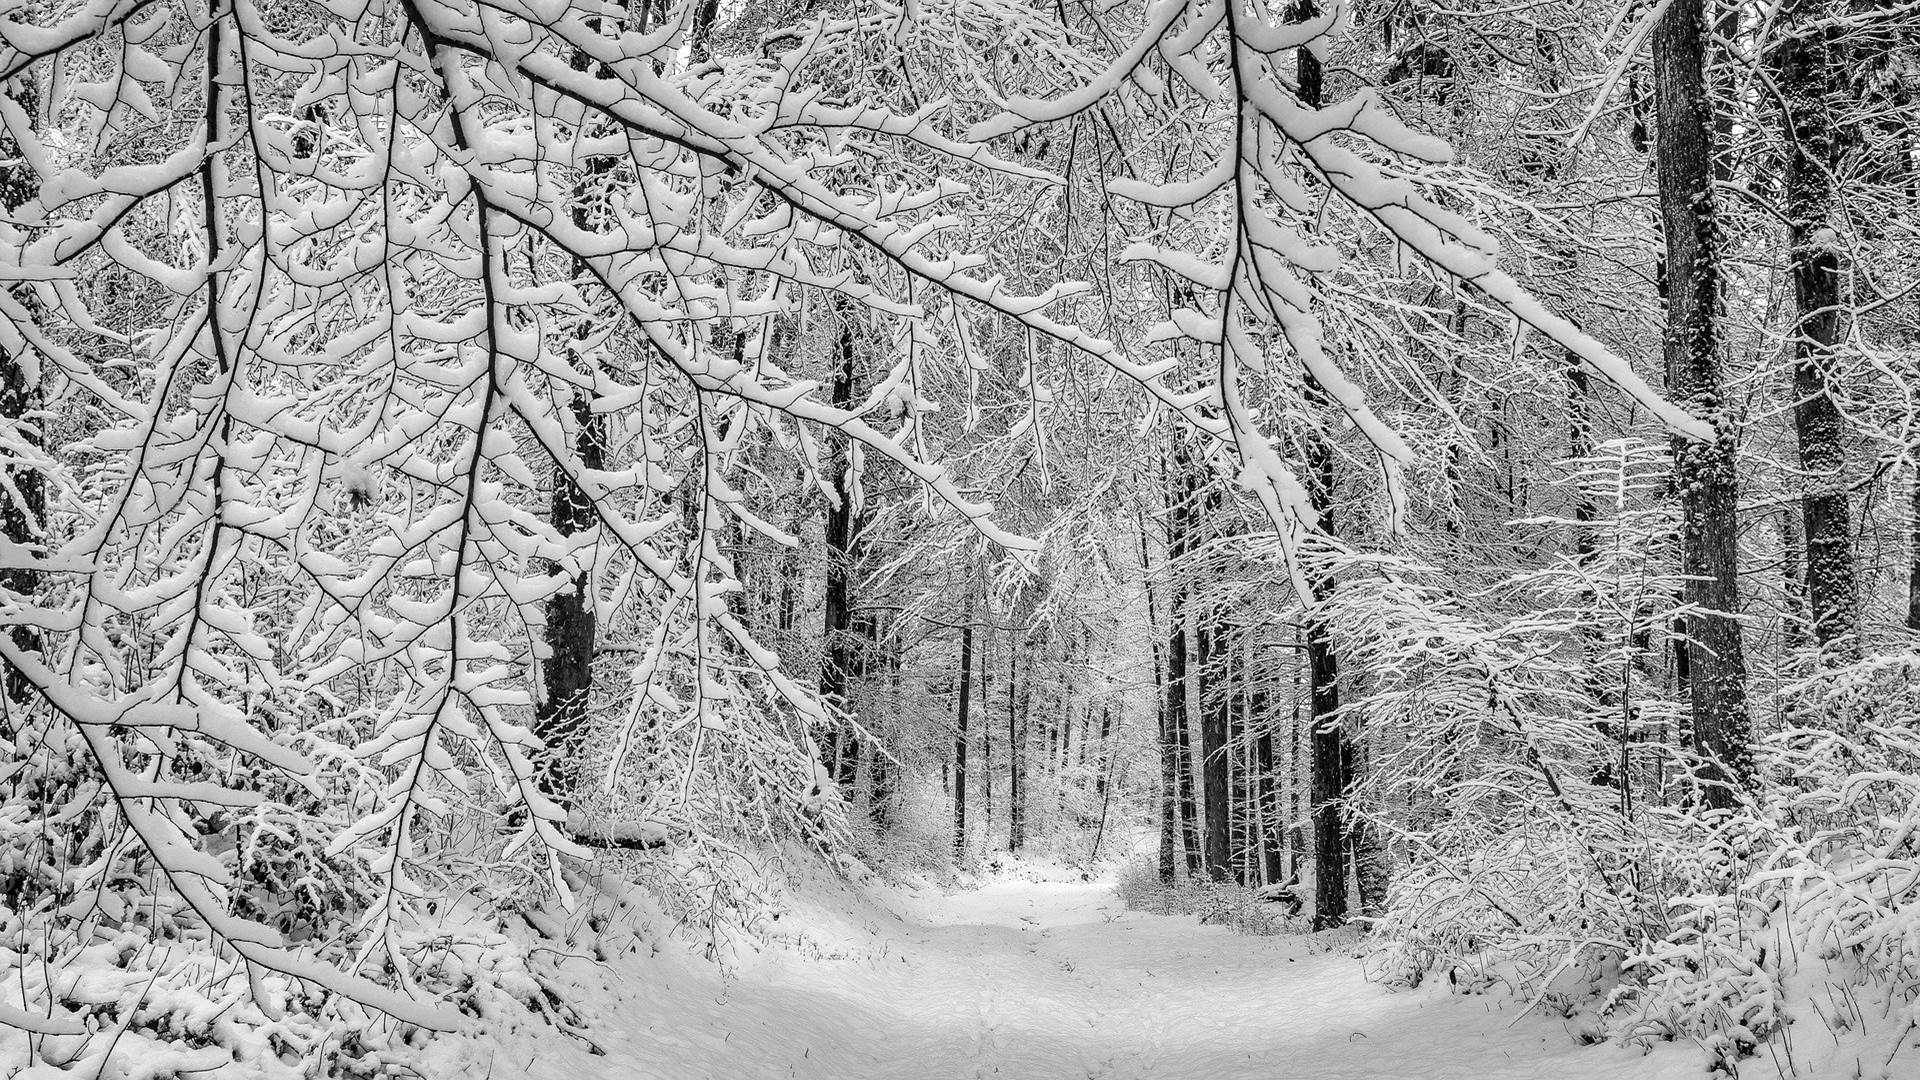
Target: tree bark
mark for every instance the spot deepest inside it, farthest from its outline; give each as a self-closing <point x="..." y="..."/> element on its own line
<point x="1913" y="555"/>
<point x="986" y="734"/>
<point x="960" y="736"/>
<point x="1809" y="78"/>
<point x="1169" y="782"/>
<point x="1215" y="688"/>
<point x="1332" y="757"/>
<point x="1016" y="748"/>
<point x="706" y="14"/>
<point x="1245" y="826"/>
<point x="560" y="719"/>
<point x="880" y="771"/>
<point x="561" y="715"/>
<point x="1332" y="760"/>
<point x="1704" y="470"/>
<point x="1069" y="705"/>
<point x="1179" y="543"/>
<point x="1267" y="791"/>
<point x="842" y="538"/>
<point x="1327" y="744"/>
<point x="1103" y="758"/>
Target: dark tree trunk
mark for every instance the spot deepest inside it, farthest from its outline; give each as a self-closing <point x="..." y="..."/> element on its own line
<point x="1245" y="814"/>
<point x="880" y="771"/>
<point x="986" y="733"/>
<point x="1332" y="757"/>
<point x="960" y="737"/>
<point x="1179" y="542"/>
<point x="561" y="715"/>
<point x="1296" y="814"/>
<point x="1913" y="555"/>
<point x="1162" y="707"/>
<point x="1704" y="471"/>
<point x="1216" y="688"/>
<point x="1273" y="866"/>
<point x="1332" y="753"/>
<point x="1183" y="767"/>
<point x="1103" y="781"/>
<point x="1809" y="77"/>
<point x="706" y="13"/>
<point x="1063" y="724"/>
<point x="1601" y="690"/>
<point x="1017" y="695"/>
<point x="842" y="537"/>
<point x="1086" y="732"/>
<point x="1328" y="746"/>
<point x="792" y="580"/>
<point x="1104" y="757"/>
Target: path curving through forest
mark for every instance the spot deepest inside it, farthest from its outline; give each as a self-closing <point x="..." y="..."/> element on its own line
<point x="1034" y="979"/>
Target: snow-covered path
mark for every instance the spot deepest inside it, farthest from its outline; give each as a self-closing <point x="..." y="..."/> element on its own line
<point x="1038" y="980"/>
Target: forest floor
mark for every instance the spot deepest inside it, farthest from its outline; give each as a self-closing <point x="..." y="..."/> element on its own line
<point x="1043" y="976"/>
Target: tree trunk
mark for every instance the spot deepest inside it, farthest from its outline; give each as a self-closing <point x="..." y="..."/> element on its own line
<point x="1267" y="790"/>
<point x="1296" y="834"/>
<point x="1103" y="758"/>
<point x="1179" y="542"/>
<point x="1704" y="471"/>
<point x="1216" y="688"/>
<point x="986" y="734"/>
<point x="1016" y="749"/>
<point x="1244" y="819"/>
<point x="1913" y="555"/>
<point x="560" y="720"/>
<point x="1332" y="757"/>
<point x="1809" y="78"/>
<point x="1327" y="744"/>
<point x="842" y="537"/>
<point x="960" y="736"/>
<point x="561" y="714"/>
<point x="1162" y="706"/>
<point x="1068" y="707"/>
<point x="706" y="13"/>
<point x="1103" y="784"/>
<point x="880" y="771"/>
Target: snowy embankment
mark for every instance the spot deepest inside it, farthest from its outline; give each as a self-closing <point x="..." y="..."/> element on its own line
<point x="1037" y="977"/>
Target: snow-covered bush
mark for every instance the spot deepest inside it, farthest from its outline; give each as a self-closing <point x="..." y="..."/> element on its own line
<point x="1794" y="925"/>
<point x="133" y="1003"/>
<point x="1786" y="928"/>
<point x="1490" y="779"/>
<point x="1212" y="903"/>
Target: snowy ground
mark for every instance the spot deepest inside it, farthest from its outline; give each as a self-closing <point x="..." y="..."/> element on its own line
<point x="1037" y="979"/>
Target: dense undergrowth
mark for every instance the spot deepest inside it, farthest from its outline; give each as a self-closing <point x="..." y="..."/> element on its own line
<point x="1213" y="903"/>
<point x="138" y="1001"/>
<point x="1784" y="934"/>
<point x="1781" y="938"/>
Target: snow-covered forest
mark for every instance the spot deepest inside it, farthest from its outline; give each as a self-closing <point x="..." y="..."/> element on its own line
<point x="1177" y="539"/>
